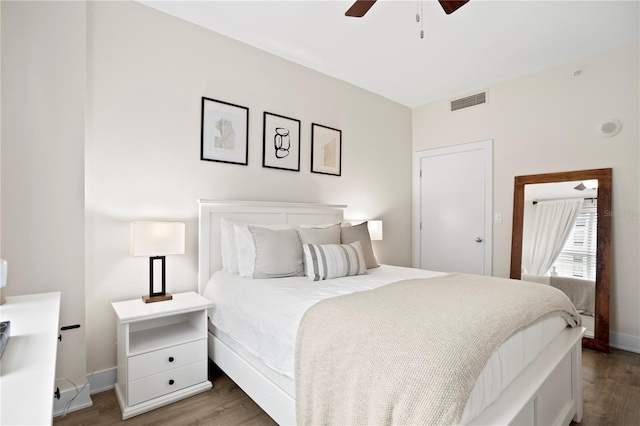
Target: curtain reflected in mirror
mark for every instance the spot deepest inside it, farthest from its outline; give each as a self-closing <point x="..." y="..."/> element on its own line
<point x="561" y="238"/>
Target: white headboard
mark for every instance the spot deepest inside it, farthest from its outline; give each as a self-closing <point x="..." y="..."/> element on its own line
<point x="253" y="212"/>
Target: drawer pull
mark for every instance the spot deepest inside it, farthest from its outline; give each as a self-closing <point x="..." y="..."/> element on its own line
<point x="170" y="359"/>
<point x="171" y="382"/>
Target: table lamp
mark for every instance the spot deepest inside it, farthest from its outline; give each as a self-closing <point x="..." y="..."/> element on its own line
<point x="375" y="229"/>
<point x="156" y="240"/>
<point x="4" y="267"/>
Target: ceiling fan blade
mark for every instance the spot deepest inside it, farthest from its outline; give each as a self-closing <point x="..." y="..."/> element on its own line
<point x="359" y="8"/>
<point x="580" y="187"/>
<point x="451" y="6"/>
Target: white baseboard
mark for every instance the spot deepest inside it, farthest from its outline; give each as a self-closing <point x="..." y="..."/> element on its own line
<point x="83" y="400"/>
<point x="104" y="380"/>
<point x="625" y="342"/>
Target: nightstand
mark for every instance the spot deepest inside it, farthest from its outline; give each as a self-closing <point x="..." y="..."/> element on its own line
<point x="162" y="352"/>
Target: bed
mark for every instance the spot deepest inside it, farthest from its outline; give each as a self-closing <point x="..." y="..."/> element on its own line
<point x="546" y="391"/>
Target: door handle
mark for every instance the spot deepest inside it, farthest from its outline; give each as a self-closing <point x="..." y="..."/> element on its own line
<point x="478" y="239"/>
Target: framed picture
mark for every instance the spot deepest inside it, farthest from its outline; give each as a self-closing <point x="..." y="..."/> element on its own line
<point x="281" y="142"/>
<point x="326" y="150"/>
<point x="225" y="132"/>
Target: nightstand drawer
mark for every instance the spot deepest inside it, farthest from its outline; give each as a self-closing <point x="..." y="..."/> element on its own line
<point x="170" y="381"/>
<point x="166" y="359"/>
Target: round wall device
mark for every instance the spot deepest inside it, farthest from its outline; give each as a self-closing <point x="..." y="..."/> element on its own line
<point x="609" y="128"/>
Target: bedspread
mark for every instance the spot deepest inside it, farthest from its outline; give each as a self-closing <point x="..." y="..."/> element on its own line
<point x="581" y="292"/>
<point x="410" y="352"/>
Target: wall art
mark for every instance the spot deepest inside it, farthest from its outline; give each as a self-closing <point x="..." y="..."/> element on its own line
<point x="326" y="150"/>
<point x="224" y="132"/>
<point x="281" y="142"/>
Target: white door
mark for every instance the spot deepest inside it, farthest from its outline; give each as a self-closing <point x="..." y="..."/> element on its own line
<point x="454" y="209"/>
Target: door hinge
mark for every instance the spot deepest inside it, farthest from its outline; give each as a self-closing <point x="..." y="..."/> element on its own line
<point x="421" y="226"/>
<point x="420" y="173"/>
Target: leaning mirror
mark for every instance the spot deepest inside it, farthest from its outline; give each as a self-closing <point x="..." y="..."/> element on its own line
<point x="561" y="237"/>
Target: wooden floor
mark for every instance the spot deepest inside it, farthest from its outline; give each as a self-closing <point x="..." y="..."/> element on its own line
<point x="611" y="390"/>
<point x="225" y="405"/>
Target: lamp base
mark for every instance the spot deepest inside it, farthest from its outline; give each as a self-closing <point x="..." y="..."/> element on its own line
<point x="161" y="298"/>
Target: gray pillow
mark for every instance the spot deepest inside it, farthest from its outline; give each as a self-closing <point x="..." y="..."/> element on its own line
<point x="278" y="253"/>
<point x="351" y="234"/>
<point x="324" y="235"/>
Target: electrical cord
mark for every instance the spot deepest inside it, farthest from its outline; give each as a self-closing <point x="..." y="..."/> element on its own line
<point x="67" y="406"/>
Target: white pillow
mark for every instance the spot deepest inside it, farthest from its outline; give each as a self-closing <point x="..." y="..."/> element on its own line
<point x="268" y="253"/>
<point x="228" y="247"/>
<point x="334" y="260"/>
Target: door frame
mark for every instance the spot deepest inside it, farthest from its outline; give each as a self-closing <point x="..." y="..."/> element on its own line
<point x="487" y="147"/>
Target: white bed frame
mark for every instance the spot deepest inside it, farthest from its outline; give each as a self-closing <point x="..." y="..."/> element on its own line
<point x="547" y="392"/>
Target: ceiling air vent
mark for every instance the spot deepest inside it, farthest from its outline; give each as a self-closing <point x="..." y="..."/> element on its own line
<point x="469" y="101"/>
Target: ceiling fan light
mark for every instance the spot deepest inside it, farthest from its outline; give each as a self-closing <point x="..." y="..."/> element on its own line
<point x="591" y="183"/>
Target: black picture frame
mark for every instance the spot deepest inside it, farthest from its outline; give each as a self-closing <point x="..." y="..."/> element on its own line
<point x="224" y="132"/>
<point x="326" y="150"/>
<point x="280" y="142"/>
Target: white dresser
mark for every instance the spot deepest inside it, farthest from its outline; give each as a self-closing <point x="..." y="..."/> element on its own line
<point x="162" y="351"/>
<point x="28" y="364"/>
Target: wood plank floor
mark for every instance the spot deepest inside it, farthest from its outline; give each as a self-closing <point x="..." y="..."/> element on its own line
<point x="224" y="405"/>
<point x="611" y="387"/>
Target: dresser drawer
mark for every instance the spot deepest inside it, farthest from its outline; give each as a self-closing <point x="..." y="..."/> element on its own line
<point x="169" y="381"/>
<point x="151" y="363"/>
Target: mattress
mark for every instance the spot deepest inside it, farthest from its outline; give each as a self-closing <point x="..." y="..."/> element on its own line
<point x="259" y="319"/>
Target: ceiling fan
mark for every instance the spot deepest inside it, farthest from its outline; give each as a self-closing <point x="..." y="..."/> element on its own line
<point x="361" y="7"/>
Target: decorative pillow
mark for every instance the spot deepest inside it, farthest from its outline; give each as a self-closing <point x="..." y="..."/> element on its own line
<point x="319" y="235"/>
<point x="268" y="253"/>
<point x="319" y="226"/>
<point x="350" y="234"/>
<point x="228" y="242"/>
<point x="334" y="260"/>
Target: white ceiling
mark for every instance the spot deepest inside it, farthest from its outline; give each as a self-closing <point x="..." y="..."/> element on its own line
<point x="555" y="190"/>
<point x="482" y="43"/>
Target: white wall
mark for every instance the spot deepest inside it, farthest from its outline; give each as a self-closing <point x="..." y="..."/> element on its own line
<point x="42" y="170"/>
<point x="546" y="122"/>
<point x="147" y="72"/>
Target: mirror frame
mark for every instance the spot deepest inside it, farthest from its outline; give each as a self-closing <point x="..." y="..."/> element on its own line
<point x="600" y="341"/>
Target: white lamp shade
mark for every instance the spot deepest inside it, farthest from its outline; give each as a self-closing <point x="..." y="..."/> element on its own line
<point x="4" y="268"/>
<point x="375" y="229"/>
<point x="156" y="238"/>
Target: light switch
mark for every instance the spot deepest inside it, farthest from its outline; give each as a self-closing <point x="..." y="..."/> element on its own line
<point x="497" y="218"/>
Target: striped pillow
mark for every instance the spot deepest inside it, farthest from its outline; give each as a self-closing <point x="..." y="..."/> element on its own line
<point x="334" y="260"/>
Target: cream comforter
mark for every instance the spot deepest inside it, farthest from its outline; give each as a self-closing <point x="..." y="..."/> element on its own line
<point x="410" y="352"/>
